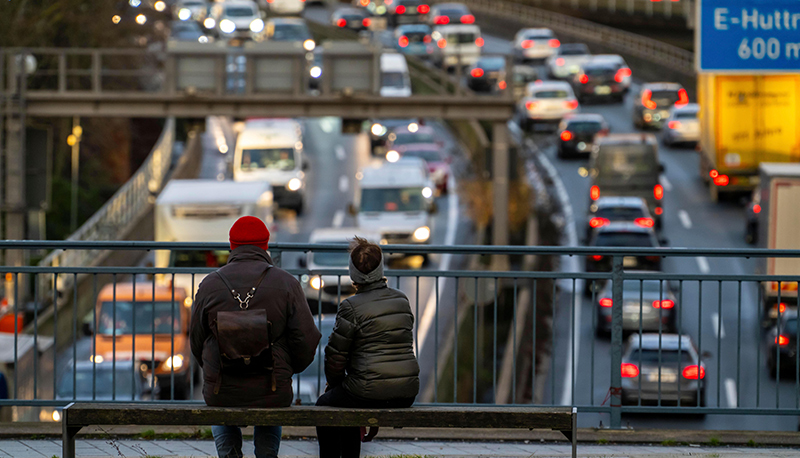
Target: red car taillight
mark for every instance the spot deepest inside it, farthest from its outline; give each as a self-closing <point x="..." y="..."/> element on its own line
<point x="629" y="370"/>
<point x="476" y="72"/>
<point x="571" y="104"/>
<point x="554" y="43"/>
<point x="527" y="44"/>
<point x="756" y="209"/>
<point x="423" y="9"/>
<point x="721" y="180"/>
<point x="694" y="372"/>
<point x="366" y="22"/>
<point x="341" y="22"/>
<point x="467" y="19"/>
<point x="674" y="125"/>
<point x="644" y="222"/>
<point x="594" y="192"/>
<point x="401" y="9"/>
<point x="441" y="20"/>
<point x="658" y="192"/>
<point x="566" y="135"/>
<point x="441" y="43"/>
<point x="584" y="79"/>
<point x="597" y="257"/>
<point x="621" y="74"/>
<point x="530" y="105"/>
<point x="659" y="211"/>
<point x="606" y="302"/>
<point x="560" y="61"/>
<point x="646" y="101"/>
<point x="782" y="340"/>
<point x="427" y="39"/>
<point x="403" y="41"/>
<point x="665" y="304"/>
<point x="479" y="42"/>
<point x="683" y="98"/>
<point x="598" y="222"/>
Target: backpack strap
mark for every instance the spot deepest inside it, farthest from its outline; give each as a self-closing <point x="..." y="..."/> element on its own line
<point x="243" y="303"/>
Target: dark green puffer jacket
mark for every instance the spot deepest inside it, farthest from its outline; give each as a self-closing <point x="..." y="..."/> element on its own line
<point x="370" y="351"/>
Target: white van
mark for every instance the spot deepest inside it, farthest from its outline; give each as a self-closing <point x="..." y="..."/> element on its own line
<point x="271" y="150"/>
<point x="458" y="44"/>
<point x="395" y="81"/>
<point x="204" y="211"/>
<point x="292" y="7"/>
<point x="395" y="200"/>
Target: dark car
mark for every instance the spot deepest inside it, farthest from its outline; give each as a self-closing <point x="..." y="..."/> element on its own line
<point x="487" y="75"/>
<point x="379" y="129"/>
<point x="188" y="31"/>
<point x="622" y="235"/>
<point x="408" y="12"/>
<point x="782" y="344"/>
<point x="576" y="134"/>
<point x="450" y="13"/>
<point x="599" y="79"/>
<point x="607" y="210"/>
<point x="648" y="305"/>
<point x="652" y="107"/>
<point x="351" y="18"/>
<point x="751" y="218"/>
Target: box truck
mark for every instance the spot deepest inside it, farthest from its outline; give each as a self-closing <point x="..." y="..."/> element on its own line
<point x="779" y="218"/>
<point x="746" y="120"/>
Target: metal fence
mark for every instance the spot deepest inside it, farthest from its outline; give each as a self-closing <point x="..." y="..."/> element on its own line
<point x="612" y="341"/>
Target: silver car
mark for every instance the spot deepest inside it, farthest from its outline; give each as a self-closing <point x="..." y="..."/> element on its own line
<point x="650" y="300"/>
<point x="666" y="368"/>
<point x="682" y="126"/>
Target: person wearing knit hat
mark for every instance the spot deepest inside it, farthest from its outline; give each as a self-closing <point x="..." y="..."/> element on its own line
<point x="249" y="286"/>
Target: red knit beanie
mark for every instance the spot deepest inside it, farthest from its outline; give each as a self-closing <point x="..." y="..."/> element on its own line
<point x="249" y="230"/>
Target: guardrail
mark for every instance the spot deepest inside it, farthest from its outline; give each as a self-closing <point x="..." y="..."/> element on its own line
<point x="663" y="366"/>
<point x="648" y="8"/>
<point x="654" y="51"/>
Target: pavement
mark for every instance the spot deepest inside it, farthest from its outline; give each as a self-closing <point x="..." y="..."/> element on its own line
<point x="380" y="448"/>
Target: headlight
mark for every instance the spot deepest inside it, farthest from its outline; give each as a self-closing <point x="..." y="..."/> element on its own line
<point x="227" y="26"/>
<point x="427" y="193"/>
<point x="309" y="45"/>
<point x="174" y="362"/>
<point x="96" y="359"/>
<point x="317" y="283"/>
<point x="209" y="23"/>
<point x="187" y="302"/>
<point x="315" y="72"/>
<point x="380" y="10"/>
<point x="257" y="26"/>
<point x="202" y="39"/>
<point x="413" y="127"/>
<point x="141" y="19"/>
<point x="160" y="5"/>
<point x="422" y="234"/>
<point x="56" y="415"/>
<point x="184" y="14"/>
<point x="294" y="184"/>
<point x="378" y="129"/>
<point x="392" y="156"/>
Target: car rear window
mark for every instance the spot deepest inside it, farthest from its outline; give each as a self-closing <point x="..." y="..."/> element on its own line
<point x="619" y="213"/>
<point x="551" y="94"/>
<point x="415" y="37"/>
<point x="598" y="71"/>
<point x="686" y="115"/>
<point x="584" y="127"/>
<point x="539" y="36"/>
<point x="624" y="239"/>
<point x="672" y="357"/>
<point x="452" y="12"/>
<point x="573" y="50"/>
<point x="461" y="38"/>
<point x="664" y="98"/>
<point x="492" y="63"/>
<point x="627" y="160"/>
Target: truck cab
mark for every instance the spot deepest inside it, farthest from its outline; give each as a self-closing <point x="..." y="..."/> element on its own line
<point x="459" y="45"/>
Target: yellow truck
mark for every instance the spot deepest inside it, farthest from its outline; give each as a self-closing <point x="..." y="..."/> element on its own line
<point x="746" y="120"/>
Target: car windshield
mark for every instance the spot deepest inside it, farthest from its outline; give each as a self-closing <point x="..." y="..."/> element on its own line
<point x="199" y="258"/>
<point x="619" y="213"/>
<point x="585" y="127"/>
<point x="126" y="317"/>
<point x="239" y="11"/>
<point x="291" y="32"/>
<point x="103" y="383"/>
<point x="598" y="71"/>
<point x="461" y="38"/>
<point x="686" y="115"/>
<point x="670" y="357"/>
<point x="392" y="200"/>
<point x="626" y="160"/>
<point x="551" y="94"/>
<point x="492" y="63"/>
<point x="409" y="138"/>
<point x="664" y="98"/>
<point x="624" y="239"/>
<point x="427" y="155"/>
<point x="268" y="158"/>
<point x="337" y="259"/>
<point x="393" y="79"/>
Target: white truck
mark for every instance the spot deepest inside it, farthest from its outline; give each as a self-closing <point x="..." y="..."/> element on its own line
<point x="204" y="211"/>
<point x="778" y="220"/>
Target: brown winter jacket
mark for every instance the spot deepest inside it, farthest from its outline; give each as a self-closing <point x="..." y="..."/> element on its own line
<point x="294" y="333"/>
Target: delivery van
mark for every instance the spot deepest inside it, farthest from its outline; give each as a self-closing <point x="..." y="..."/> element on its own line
<point x="395" y="81"/>
<point x="458" y="45"/>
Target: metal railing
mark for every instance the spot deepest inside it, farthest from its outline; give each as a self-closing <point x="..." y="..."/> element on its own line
<point x="677" y="357"/>
<point x="647" y="8"/>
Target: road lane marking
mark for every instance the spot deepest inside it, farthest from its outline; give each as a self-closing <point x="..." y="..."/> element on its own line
<point x="685" y="220"/>
<point x="344" y="183"/>
<point x="341" y="154"/>
<point x="730" y="392"/>
<point x="702" y="263"/>
<point x="666" y="183"/>
<point x="338" y="218"/>
<point x="719" y="327"/>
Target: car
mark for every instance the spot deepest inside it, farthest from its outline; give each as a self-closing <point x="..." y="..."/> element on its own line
<point x="576" y="134"/>
<point x="407" y="12"/>
<point x="379" y="130"/>
<point x="606" y="210"/>
<point x="457" y="46"/>
<point x="624" y="72"/>
<point x="195" y="10"/>
<point x="450" y="13"/>
<point x="287" y="7"/>
<point x="522" y="76"/>
<point x="682" y="126"/>
<point x="622" y="234"/>
<point x="438" y="164"/>
<point x="351" y="18"/>
<point x="374" y="7"/>
<point x="648" y="305"/>
<point x="414" y="40"/>
<point x="751" y="218"/>
<point x="188" y="31"/>
<point x="599" y="79"/>
<point x="782" y="344"/>
<point x="238" y="20"/>
<point x="395" y="79"/>
<point x="290" y="29"/>
<point x="547" y="102"/>
<point x="412" y="134"/>
<point x="488" y="74"/>
<point x="535" y="44"/>
<point x="567" y="60"/>
<point x="663" y="368"/>
<point x="652" y="106"/>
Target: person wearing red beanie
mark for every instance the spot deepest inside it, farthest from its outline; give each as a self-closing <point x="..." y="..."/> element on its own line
<point x="249" y="230"/>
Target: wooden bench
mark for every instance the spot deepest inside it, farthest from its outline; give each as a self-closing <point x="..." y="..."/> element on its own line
<point x="78" y="415"/>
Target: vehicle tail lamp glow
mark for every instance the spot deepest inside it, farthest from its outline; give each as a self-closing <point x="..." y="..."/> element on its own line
<point x="571" y="104"/>
<point x="400" y="9"/>
<point x="629" y="370"/>
<point x="501" y="85"/>
<point x="597" y="257"/>
<point x="566" y="135"/>
<point x="694" y="372"/>
<point x="427" y="39"/>
<point x="479" y="42"/>
<point x="665" y="304"/>
<point x="621" y="74"/>
<point x="683" y="98"/>
<point x="659" y="211"/>
<point x="530" y="105"/>
<point x="674" y="125"/>
<point x="467" y="19"/>
<point x="756" y="209"/>
<point x="366" y="22"/>
<point x="598" y="222"/>
<point x="713" y="173"/>
<point x="584" y="79"/>
<point x="658" y="192"/>
<point x="781" y="307"/>
<point x="476" y="72"/>
<point x="423" y="9"/>
<point x="364" y="2"/>
<point x="560" y="61"/>
<point x="782" y="340"/>
<point x="403" y="41"/>
<point x="594" y="192"/>
<point x="441" y="20"/>
<point x="606" y="302"/>
<point x="341" y="22"/>
<point x="644" y="222"/>
<point x="646" y="99"/>
<point x="441" y="43"/>
<point x="527" y="44"/>
<point x="721" y="180"/>
<point x="553" y="43"/>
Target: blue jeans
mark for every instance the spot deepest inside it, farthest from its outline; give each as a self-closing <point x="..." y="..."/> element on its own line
<point x="228" y="440"/>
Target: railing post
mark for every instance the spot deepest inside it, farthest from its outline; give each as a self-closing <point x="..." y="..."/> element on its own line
<point x="96" y="71"/>
<point x="62" y="71"/>
<point x="616" y="341"/>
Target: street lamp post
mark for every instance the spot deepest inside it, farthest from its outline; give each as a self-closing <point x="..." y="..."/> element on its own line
<point x="74" y="140"/>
